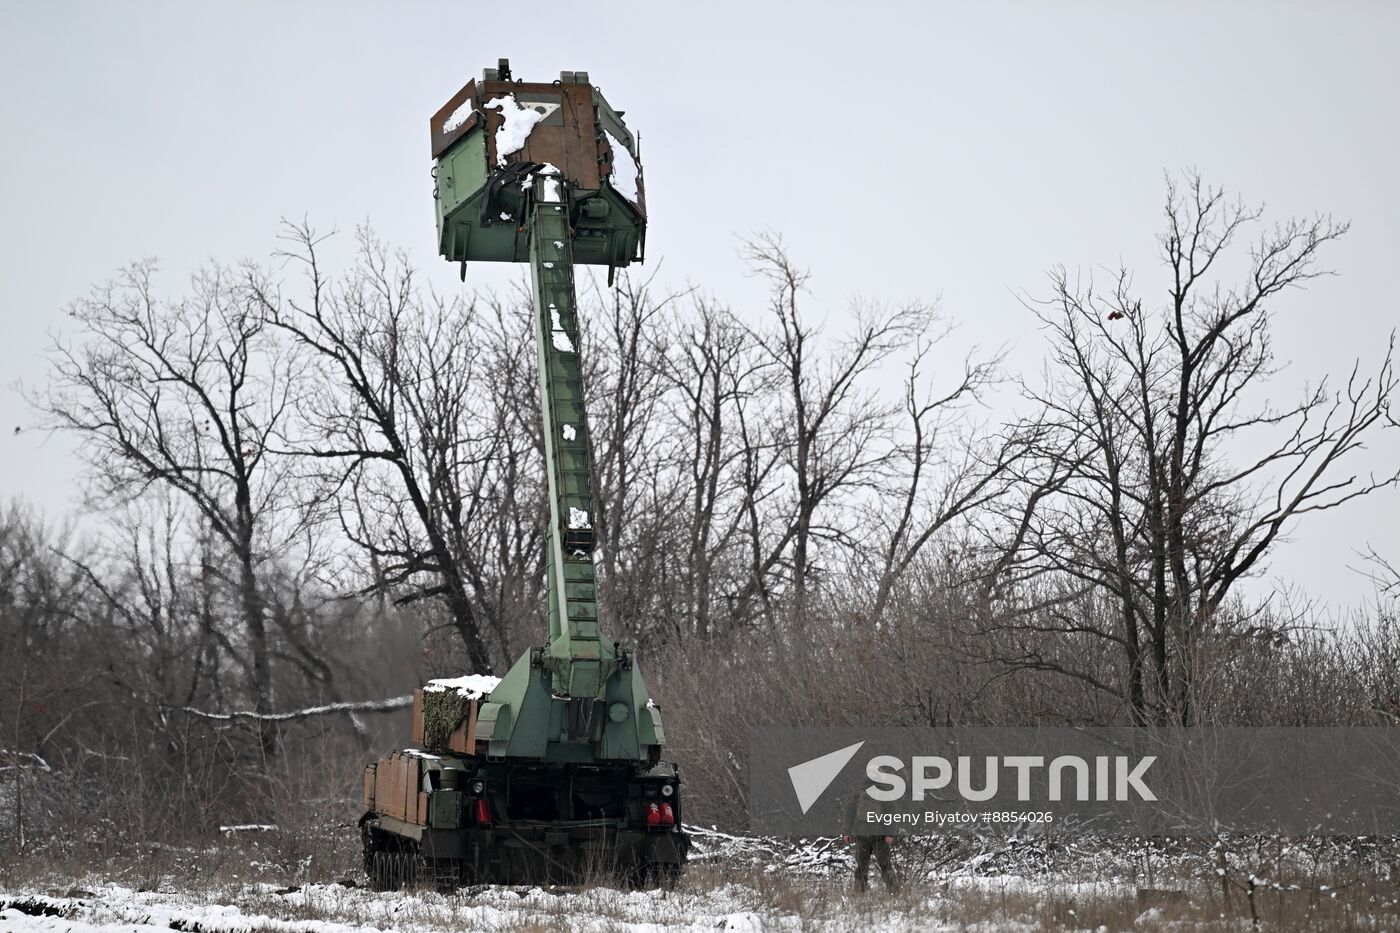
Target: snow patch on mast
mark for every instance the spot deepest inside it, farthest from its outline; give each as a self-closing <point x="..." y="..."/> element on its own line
<point x="558" y="336"/>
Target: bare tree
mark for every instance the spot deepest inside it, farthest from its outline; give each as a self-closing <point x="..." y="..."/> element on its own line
<point x="625" y="394"/>
<point x="940" y="471"/>
<point x="419" y="458"/>
<point x="1137" y="487"/>
<point x="41" y="598"/>
<point x="713" y="368"/>
<point x="186" y="394"/>
<point x="832" y="429"/>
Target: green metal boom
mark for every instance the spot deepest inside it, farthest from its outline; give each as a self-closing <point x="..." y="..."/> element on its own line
<point x="578" y="697"/>
<point x="576" y="650"/>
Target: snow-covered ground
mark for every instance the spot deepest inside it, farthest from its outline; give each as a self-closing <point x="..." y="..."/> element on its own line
<point x="749" y="884"/>
<point x="335" y="908"/>
<point x="760" y="903"/>
<point x="332" y="908"/>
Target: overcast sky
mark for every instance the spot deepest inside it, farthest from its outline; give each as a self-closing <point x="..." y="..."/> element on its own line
<point x="915" y="150"/>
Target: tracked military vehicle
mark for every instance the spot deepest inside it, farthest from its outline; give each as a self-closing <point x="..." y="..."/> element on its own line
<point x="553" y="771"/>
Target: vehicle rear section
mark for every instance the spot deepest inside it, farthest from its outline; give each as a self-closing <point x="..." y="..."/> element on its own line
<point x="444" y="821"/>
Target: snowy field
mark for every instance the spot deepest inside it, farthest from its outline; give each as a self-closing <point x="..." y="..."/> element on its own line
<point x="323" y="908"/>
<point x="333" y="908"/>
<point x="746" y="884"/>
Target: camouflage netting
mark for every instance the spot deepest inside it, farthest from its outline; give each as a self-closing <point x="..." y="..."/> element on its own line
<point x="443" y="712"/>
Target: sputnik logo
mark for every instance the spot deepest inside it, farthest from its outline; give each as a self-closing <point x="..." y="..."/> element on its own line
<point x="811" y="778"/>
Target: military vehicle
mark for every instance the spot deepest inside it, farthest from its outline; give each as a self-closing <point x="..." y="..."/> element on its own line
<point x="553" y="771"/>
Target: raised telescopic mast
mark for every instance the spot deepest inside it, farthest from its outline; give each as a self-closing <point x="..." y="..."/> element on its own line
<point x="548" y="173"/>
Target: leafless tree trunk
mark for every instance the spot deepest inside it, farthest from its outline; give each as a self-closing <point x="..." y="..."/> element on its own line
<point x="17" y="761"/>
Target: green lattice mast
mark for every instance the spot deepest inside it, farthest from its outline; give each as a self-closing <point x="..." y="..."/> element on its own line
<point x="570" y="192"/>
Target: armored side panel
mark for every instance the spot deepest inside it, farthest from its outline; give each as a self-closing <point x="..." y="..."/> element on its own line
<point x="445" y="720"/>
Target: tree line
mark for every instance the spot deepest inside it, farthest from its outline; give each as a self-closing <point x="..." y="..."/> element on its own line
<point x="311" y="486"/>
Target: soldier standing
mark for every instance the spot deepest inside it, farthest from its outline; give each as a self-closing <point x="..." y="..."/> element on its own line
<point x="863" y="820"/>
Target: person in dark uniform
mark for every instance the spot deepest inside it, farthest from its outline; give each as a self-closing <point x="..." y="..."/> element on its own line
<point x="864" y="829"/>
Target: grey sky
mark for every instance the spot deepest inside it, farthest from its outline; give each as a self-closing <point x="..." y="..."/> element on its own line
<point x="903" y="150"/>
